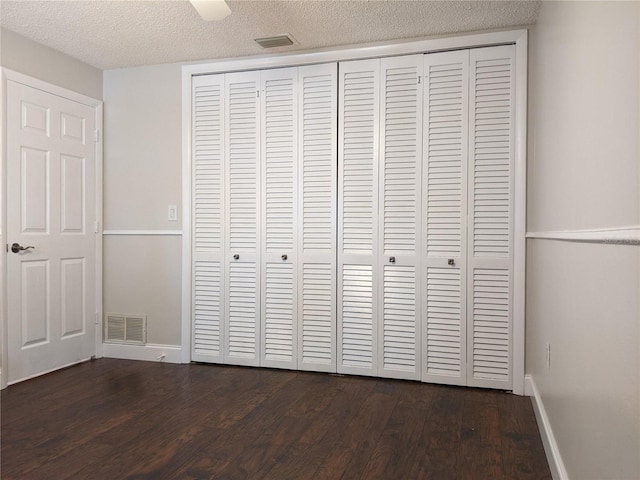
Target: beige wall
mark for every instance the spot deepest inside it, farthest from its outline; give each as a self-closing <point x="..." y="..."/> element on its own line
<point x="26" y="56"/>
<point x="142" y="177"/>
<point x="583" y="299"/>
<point x="142" y="275"/>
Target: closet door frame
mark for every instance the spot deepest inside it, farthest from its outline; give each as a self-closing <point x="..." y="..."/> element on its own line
<point x="519" y="38"/>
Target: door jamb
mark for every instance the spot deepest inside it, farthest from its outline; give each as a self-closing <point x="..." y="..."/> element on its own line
<point x="11" y="75"/>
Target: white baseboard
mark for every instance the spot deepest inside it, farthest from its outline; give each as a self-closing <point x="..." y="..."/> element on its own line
<point x="149" y="352"/>
<point x="556" y="465"/>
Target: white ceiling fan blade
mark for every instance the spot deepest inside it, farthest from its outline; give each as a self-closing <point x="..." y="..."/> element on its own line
<point x="211" y="9"/>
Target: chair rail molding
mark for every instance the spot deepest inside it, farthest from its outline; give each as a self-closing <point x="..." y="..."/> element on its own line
<point x="612" y="236"/>
<point x="142" y="232"/>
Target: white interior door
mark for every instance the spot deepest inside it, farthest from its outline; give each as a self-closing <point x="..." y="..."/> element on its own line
<point x="51" y="210"/>
<point x="446" y="100"/>
<point x="318" y="192"/>
<point x="209" y="279"/>
<point x="491" y="159"/>
<point x="359" y="130"/>
<point x="242" y="174"/>
<point x="279" y="124"/>
<point x="399" y="228"/>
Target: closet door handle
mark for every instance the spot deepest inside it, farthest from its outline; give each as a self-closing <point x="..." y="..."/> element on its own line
<point x="284" y="257"/>
<point x="236" y="256"/>
<point x="451" y="262"/>
<point x="392" y="259"/>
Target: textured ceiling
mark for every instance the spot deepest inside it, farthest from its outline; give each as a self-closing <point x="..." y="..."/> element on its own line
<point x="124" y="33"/>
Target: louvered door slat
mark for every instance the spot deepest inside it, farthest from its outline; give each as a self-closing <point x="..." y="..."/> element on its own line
<point x="242" y="158"/>
<point x="208" y="232"/>
<point x="357" y="320"/>
<point x="491" y="210"/>
<point x="400" y="328"/>
<point x="317" y="219"/>
<point x="359" y="116"/>
<point x="359" y="126"/>
<point x="399" y="229"/>
<point x="242" y="181"/>
<point x="279" y="309"/>
<point x="242" y="313"/>
<point x="446" y="98"/>
<point x="444" y="343"/>
<point x="207" y="312"/>
<point x="279" y="89"/>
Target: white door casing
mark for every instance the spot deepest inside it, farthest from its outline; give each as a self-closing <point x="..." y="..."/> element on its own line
<point x="51" y="205"/>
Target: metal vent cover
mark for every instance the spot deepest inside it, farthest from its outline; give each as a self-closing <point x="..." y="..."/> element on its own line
<point x="129" y="329"/>
<point x="283" y="40"/>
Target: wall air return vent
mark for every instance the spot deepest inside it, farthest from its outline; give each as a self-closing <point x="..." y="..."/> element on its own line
<point x="283" y="40"/>
<point x="129" y="329"/>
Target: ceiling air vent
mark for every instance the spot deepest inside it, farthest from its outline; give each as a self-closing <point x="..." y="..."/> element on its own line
<point x="131" y="329"/>
<point x="278" y="41"/>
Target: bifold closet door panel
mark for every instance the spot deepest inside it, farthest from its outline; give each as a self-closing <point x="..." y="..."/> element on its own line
<point x="279" y="205"/>
<point x="358" y="149"/>
<point x="317" y="216"/>
<point x="242" y="219"/>
<point x="491" y="184"/>
<point x="207" y="188"/>
<point x="446" y="132"/>
<point x="399" y="217"/>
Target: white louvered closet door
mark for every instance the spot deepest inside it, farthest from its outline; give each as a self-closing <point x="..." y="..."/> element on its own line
<point x="242" y="219"/>
<point x="208" y="269"/>
<point x="446" y="132"/>
<point x="317" y="200"/>
<point x="358" y="216"/>
<point x="279" y="217"/>
<point x="491" y="152"/>
<point x="399" y="217"/>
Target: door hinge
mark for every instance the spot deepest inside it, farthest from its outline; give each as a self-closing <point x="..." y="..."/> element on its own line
<point x="97" y="318"/>
<point x="258" y="93"/>
<point x="96" y="226"/>
<point x="419" y="79"/>
<point x="96" y="135"/>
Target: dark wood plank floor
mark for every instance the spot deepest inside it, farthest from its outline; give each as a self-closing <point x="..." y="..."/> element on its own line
<point x="116" y="419"/>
